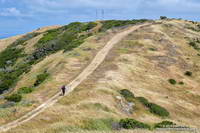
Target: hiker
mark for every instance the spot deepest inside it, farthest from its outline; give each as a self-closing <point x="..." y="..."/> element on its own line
<point x="63" y="88"/>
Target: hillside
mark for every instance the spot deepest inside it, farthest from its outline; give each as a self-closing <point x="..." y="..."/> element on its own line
<point x="150" y="74"/>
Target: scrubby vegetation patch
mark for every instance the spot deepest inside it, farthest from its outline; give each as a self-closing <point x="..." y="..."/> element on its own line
<point x="133" y="124"/>
<point x="14" y="97"/>
<point x="154" y="108"/>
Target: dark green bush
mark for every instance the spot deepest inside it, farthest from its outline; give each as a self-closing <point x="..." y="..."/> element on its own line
<point x="164" y="124"/>
<point x="188" y="73"/>
<point x="128" y="95"/>
<point x="158" y="110"/>
<point x="133" y="124"/>
<point x="194" y="44"/>
<point x="41" y="78"/>
<point x="14" y="98"/>
<point x="143" y="100"/>
<point x="172" y="81"/>
<point x="163" y="17"/>
<point x="154" y="108"/>
<point x="25" y="90"/>
<point x="181" y="83"/>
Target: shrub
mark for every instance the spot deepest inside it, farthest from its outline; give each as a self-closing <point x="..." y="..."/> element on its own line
<point x="25" y="90"/>
<point x="128" y="95"/>
<point x="158" y="110"/>
<point x="164" y="124"/>
<point x="143" y="100"/>
<point x="172" y="81"/>
<point x="181" y="83"/>
<point x="188" y="73"/>
<point x="153" y="49"/>
<point x="154" y="108"/>
<point x="14" y="98"/>
<point x="194" y="45"/>
<point x="41" y="78"/>
<point x="133" y="124"/>
<point x="163" y="17"/>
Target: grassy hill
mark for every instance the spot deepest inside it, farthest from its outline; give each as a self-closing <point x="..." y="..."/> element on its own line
<point x="151" y="76"/>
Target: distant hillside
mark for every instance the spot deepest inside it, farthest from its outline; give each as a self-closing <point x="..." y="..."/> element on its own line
<point x="149" y="79"/>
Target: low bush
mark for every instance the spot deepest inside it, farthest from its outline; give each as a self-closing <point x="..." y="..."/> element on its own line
<point x="133" y="124"/>
<point x="172" y="81"/>
<point x="194" y="44"/>
<point x="41" y="78"/>
<point x="128" y="95"/>
<point x="181" y="83"/>
<point x="143" y="100"/>
<point x="163" y="17"/>
<point x="14" y="98"/>
<point x="158" y="110"/>
<point x="154" y="108"/>
<point x="188" y="73"/>
<point x="25" y="90"/>
<point x="164" y="124"/>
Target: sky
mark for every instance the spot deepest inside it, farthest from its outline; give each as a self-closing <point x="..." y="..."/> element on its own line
<point x="21" y="16"/>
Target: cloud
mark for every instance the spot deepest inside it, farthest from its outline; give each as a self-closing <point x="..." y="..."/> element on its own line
<point x="10" y="12"/>
<point x="50" y="6"/>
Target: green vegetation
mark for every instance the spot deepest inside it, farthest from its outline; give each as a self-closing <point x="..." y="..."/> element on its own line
<point x="50" y="35"/>
<point x="90" y="26"/>
<point x="195" y="45"/>
<point x="158" y="110"/>
<point x="154" y="108"/>
<point x="65" y="38"/>
<point x="119" y="23"/>
<point x="128" y="95"/>
<point x="99" y="124"/>
<point x="14" y="97"/>
<point x="164" y="124"/>
<point x="181" y="83"/>
<point x="9" y="71"/>
<point x="172" y="81"/>
<point x="41" y="78"/>
<point x="133" y="124"/>
<point x="188" y="73"/>
<point x="153" y="49"/>
<point x="163" y="17"/>
<point x="25" y="90"/>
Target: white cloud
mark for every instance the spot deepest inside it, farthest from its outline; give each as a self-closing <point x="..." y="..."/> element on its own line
<point x="10" y="12"/>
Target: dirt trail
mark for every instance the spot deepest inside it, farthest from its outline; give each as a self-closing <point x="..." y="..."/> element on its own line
<point x="98" y="59"/>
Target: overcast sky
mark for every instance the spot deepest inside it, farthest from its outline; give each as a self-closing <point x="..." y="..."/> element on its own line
<point x="20" y="16"/>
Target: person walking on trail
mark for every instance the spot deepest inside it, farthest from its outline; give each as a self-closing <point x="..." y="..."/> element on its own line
<point x="63" y="88"/>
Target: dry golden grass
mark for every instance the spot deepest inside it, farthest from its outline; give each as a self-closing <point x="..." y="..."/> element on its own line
<point x="132" y="64"/>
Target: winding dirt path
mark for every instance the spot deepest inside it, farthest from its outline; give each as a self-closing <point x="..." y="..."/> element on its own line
<point x="98" y="59"/>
